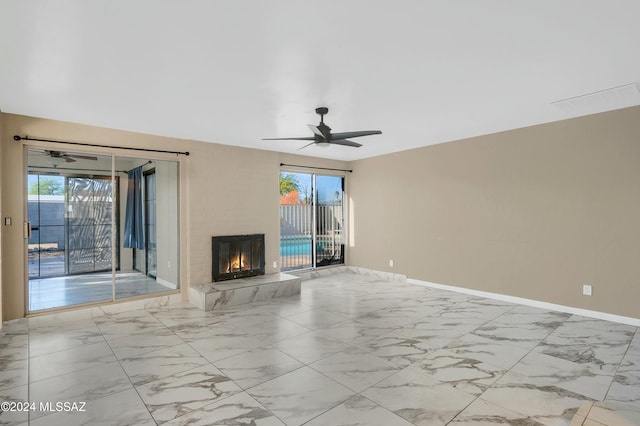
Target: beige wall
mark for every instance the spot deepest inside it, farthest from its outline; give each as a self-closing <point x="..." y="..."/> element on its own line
<point x="224" y="190"/>
<point x="534" y="213"/>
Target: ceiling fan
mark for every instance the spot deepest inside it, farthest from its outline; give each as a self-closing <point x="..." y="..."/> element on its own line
<point x="323" y="136"/>
<point x="69" y="158"/>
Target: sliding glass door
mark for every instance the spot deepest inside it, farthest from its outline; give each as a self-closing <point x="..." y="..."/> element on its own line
<point x="311" y="220"/>
<point x="81" y="249"/>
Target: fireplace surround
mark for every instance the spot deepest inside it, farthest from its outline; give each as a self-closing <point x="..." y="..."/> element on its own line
<point x="237" y="256"/>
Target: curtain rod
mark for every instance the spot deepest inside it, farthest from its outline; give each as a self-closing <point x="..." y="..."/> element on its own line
<point x="317" y="168"/>
<point x="84" y="170"/>
<point x="34" y="168"/>
<point x="27" y="138"/>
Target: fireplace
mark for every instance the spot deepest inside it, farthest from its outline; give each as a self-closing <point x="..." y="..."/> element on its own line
<point x="237" y="256"/>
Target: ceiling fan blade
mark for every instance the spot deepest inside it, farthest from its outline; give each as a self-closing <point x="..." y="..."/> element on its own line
<point x="305" y="138"/>
<point x="82" y="157"/>
<point x="67" y="158"/>
<point x="305" y="146"/>
<point x="315" y="130"/>
<point x="357" y="134"/>
<point x="346" y="143"/>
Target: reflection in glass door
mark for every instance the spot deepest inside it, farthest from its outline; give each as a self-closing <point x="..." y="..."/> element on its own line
<point x="46" y="209"/>
<point x="77" y="251"/>
<point x="88" y="230"/>
<point x="151" y="258"/>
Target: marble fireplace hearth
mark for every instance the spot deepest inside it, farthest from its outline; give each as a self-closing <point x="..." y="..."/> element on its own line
<point x="218" y="295"/>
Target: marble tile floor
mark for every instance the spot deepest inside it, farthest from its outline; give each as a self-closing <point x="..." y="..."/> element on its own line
<point x="351" y="349"/>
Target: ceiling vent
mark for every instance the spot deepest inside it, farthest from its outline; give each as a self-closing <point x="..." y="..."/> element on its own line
<point x="604" y="100"/>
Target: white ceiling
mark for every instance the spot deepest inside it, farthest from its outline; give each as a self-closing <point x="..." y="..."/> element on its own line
<point x="236" y="71"/>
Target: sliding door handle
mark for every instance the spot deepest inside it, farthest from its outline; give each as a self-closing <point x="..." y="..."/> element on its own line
<point x="27" y="230"/>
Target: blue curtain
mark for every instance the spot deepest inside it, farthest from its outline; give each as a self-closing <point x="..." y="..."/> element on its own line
<point x="133" y="226"/>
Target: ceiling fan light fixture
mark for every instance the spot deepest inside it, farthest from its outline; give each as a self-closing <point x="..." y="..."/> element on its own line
<point x="323" y="144"/>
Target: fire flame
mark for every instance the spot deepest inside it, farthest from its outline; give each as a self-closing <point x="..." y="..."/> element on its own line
<point x="238" y="263"/>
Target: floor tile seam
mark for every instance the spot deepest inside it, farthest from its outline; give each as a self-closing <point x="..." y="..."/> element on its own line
<point x="507" y="371"/>
<point x="261" y="347"/>
<point x="615" y="374"/>
<point x="140" y="385"/>
<point x="135" y="389"/>
<point x="84" y="397"/>
<point x="87" y="400"/>
<point x="477" y="397"/>
<point x="86" y="331"/>
<point x="354" y="390"/>
<point x="75" y="370"/>
<point x="262" y="307"/>
<point x="108" y="336"/>
<point x="635" y="335"/>
<point x="67" y="348"/>
<point x="364" y="346"/>
<point x="124" y="317"/>
<point x="224" y="358"/>
<point x="324" y="356"/>
<point x="539" y="340"/>
<point x="322" y="327"/>
<point x="509" y="409"/>
<point x="108" y="342"/>
<point x="264" y="381"/>
<point x="72" y="371"/>
<point x="147" y="332"/>
<point x="270" y="342"/>
<point x="195" y="320"/>
<point x="189" y="339"/>
<point x="204" y="408"/>
<point x="555" y="385"/>
<point x="149" y="351"/>
<point x="120" y="360"/>
<point x="345" y="342"/>
<point x="342" y="402"/>
<point x="606" y="374"/>
<point x="499" y="368"/>
<point x="34" y="323"/>
<point x="2" y="389"/>
<point x="7" y="356"/>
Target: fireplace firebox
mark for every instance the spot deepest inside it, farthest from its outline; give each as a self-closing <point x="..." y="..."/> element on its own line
<point x="237" y="256"/>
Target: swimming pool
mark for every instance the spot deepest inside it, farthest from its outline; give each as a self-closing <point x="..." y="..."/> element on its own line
<point x="295" y="246"/>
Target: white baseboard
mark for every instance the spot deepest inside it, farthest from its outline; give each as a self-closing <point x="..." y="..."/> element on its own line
<point x="166" y="283"/>
<point x="530" y="302"/>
